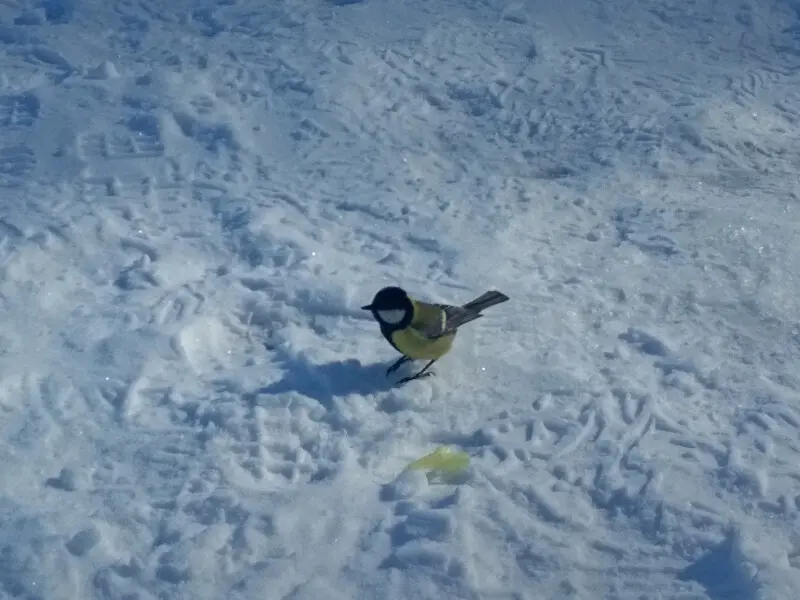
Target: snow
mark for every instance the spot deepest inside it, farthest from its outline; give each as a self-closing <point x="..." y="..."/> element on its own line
<point x="197" y="198"/>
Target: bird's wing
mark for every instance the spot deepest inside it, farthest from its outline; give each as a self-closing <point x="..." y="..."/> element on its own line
<point x="443" y="319"/>
<point x="429" y="319"/>
<point x="437" y="320"/>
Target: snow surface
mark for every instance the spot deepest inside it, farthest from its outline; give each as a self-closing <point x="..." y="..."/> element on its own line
<point x="198" y="196"/>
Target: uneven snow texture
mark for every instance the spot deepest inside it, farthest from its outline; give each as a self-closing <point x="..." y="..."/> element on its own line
<point x="198" y="196"/>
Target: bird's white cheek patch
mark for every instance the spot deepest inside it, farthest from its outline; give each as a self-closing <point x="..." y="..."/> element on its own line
<point x="393" y="317"/>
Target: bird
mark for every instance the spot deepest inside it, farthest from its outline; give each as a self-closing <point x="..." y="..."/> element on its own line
<point x="422" y="330"/>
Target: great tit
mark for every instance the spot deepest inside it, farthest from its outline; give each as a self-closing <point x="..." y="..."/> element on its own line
<point x="421" y="330"/>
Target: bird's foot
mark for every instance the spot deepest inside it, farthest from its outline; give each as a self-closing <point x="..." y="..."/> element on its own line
<point x="413" y="377"/>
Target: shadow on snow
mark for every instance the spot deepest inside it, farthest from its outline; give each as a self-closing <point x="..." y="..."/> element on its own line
<point x="326" y="381"/>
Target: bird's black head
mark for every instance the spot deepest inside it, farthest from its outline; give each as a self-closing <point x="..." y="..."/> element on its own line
<point x="392" y="307"/>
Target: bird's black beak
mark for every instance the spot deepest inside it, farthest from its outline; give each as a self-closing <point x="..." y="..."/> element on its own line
<point x="367" y="307"/>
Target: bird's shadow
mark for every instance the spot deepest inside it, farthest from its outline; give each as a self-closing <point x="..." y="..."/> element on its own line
<point x="326" y="381"/>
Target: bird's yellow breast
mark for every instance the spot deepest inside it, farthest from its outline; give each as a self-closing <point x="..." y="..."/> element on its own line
<point x="416" y="346"/>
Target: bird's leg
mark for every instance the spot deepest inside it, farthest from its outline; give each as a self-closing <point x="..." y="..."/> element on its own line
<point x="398" y="363"/>
<point x="423" y="373"/>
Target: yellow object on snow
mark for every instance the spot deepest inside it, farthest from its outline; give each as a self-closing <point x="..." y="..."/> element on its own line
<point x="442" y="459"/>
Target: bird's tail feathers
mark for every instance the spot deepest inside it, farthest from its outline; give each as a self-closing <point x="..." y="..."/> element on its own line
<point x="458" y="316"/>
<point x="485" y="301"/>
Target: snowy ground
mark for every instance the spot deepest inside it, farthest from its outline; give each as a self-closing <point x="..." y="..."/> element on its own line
<point x="197" y="198"/>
